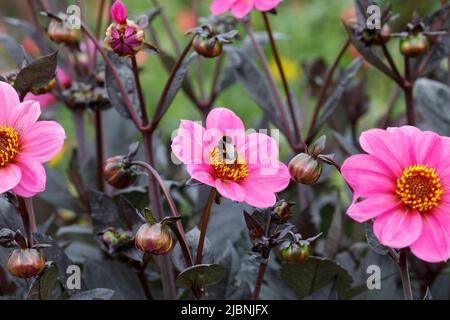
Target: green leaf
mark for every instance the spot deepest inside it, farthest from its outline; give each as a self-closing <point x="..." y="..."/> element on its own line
<point x="42" y="287"/>
<point x="37" y="74"/>
<point x="148" y="215"/>
<point x="304" y="278"/>
<point x="13" y="48"/>
<point x="333" y="100"/>
<point x="432" y="101"/>
<point x="125" y="72"/>
<point x="201" y="275"/>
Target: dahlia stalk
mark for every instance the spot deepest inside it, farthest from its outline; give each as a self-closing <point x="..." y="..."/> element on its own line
<point x="402" y="184"/>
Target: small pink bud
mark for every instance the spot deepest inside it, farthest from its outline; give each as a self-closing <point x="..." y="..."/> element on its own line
<point x="119" y="12"/>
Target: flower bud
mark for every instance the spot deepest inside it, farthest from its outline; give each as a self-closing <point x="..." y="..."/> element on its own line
<point x="59" y="33"/>
<point x="282" y="212"/>
<point x="155" y="239"/>
<point x="119" y="12"/>
<point x="295" y="252"/>
<point x="208" y="47"/>
<point x="305" y="169"/>
<point x="117" y="173"/>
<point x="26" y="263"/>
<point x="414" y="45"/>
<point x="125" y="39"/>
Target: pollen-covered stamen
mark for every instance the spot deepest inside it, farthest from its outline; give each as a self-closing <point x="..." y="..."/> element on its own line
<point x="419" y="187"/>
<point x="9" y="145"/>
<point x="228" y="169"/>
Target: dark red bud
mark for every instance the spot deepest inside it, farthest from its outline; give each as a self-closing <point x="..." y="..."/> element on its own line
<point x="117" y="174"/>
<point x="26" y="263"/>
<point x="155" y="239"/>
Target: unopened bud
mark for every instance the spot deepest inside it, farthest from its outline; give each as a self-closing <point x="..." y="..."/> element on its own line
<point x="414" y="45"/>
<point x="125" y="39"/>
<point x="26" y="263"/>
<point x="117" y="173"/>
<point x="305" y="169"/>
<point x="59" y="33"/>
<point x="295" y="252"/>
<point x="208" y="47"/>
<point x="155" y="239"/>
<point x="282" y="212"/>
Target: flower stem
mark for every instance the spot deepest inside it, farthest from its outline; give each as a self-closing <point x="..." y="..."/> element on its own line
<point x="297" y="130"/>
<point x="408" y="89"/>
<point x="263" y="264"/>
<point x="99" y="143"/>
<point x="403" y="264"/>
<point x="139" y="91"/>
<point x="159" y="112"/>
<point x="271" y="81"/>
<point x="204" y="225"/>
<point x="323" y="91"/>
<point x="144" y="284"/>
<point x="80" y="131"/>
<point x="167" y="272"/>
<point x="26" y="210"/>
<point x="180" y="231"/>
<point x="110" y="66"/>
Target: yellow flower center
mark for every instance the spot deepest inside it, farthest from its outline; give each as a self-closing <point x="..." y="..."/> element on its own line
<point x="9" y="145"/>
<point x="419" y="187"/>
<point x="228" y="167"/>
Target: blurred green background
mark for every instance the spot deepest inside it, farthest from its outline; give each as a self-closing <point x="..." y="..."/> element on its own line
<point x="312" y="29"/>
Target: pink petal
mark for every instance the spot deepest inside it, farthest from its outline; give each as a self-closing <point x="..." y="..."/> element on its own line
<point x="260" y="149"/>
<point x="242" y="8"/>
<point x="390" y="147"/>
<point x="8" y="101"/>
<point x="257" y="194"/>
<point x="373" y="206"/>
<point x="24" y="115"/>
<point x="202" y="173"/>
<point x="45" y="100"/>
<point x="10" y="176"/>
<point x="33" y="177"/>
<point x="231" y="190"/>
<point x="225" y="120"/>
<point x="188" y="143"/>
<point x="275" y="178"/>
<point x="42" y="141"/>
<point x="428" y="148"/>
<point x="119" y="12"/>
<point x="433" y="245"/>
<point x="399" y="228"/>
<point x="63" y="76"/>
<point x="221" y="6"/>
<point x="266" y="5"/>
<point x="368" y="175"/>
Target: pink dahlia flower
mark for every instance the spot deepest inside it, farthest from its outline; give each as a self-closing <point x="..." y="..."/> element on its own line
<point x="241" y="8"/>
<point x="403" y="183"/>
<point x="242" y="167"/>
<point x="25" y="144"/>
